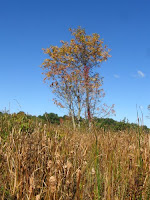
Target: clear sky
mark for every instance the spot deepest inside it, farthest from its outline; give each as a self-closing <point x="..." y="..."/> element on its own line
<point x="27" y="26"/>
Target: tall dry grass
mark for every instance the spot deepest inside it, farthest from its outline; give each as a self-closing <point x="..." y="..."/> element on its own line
<point x="58" y="163"/>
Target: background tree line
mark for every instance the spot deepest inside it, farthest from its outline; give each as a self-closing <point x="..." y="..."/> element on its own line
<point x="27" y="123"/>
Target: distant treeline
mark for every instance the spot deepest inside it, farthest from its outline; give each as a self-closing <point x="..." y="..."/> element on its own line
<point x="111" y="124"/>
<point x="27" y="122"/>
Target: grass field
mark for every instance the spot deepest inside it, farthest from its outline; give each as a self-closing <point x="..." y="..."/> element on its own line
<point x="54" y="162"/>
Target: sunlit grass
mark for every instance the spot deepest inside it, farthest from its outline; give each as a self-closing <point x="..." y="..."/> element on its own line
<point x="55" y="162"/>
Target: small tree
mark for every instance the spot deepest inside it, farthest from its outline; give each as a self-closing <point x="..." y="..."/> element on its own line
<point x="50" y="117"/>
<point x="70" y="70"/>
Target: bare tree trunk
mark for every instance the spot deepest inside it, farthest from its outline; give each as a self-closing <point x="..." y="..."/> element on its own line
<point x="71" y="109"/>
<point x="72" y="117"/>
<point x="86" y="74"/>
<point x="79" y="110"/>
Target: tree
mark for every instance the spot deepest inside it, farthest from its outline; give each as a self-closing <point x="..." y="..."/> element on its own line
<point x="50" y="117"/>
<point x="70" y="70"/>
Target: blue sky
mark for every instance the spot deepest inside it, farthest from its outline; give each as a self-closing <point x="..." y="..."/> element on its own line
<point x="28" y="26"/>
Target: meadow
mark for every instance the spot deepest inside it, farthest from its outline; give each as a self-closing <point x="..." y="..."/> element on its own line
<point x="41" y="160"/>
